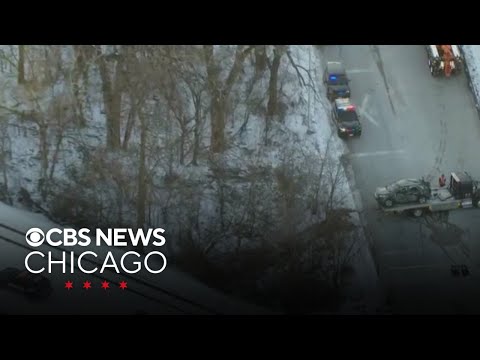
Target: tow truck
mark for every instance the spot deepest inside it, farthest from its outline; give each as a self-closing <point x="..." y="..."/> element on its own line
<point x="462" y="192"/>
<point x="444" y="60"/>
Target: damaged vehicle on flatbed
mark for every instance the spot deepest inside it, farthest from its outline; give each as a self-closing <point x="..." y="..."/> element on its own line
<point x="417" y="196"/>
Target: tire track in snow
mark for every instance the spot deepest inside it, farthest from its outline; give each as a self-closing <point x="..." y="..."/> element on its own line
<point x="441" y="149"/>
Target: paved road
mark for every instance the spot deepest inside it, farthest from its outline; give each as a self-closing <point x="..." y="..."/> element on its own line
<point x="414" y="125"/>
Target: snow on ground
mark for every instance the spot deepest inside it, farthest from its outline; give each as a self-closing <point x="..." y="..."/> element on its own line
<point x="310" y="123"/>
<point x="24" y="165"/>
<point x="305" y="130"/>
<point x="298" y="140"/>
<point x="472" y="62"/>
<point x="306" y="125"/>
<point x="365" y="280"/>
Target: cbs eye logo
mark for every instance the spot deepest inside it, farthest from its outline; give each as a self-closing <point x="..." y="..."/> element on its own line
<point x="35" y="237"/>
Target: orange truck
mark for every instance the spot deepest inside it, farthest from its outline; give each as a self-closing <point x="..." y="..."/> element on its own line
<point x="444" y="60"/>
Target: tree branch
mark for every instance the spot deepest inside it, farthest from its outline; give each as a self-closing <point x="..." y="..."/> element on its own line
<point x="300" y="77"/>
<point x="240" y="56"/>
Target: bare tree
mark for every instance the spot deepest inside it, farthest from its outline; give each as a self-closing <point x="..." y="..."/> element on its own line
<point x="51" y="113"/>
<point x="21" y="64"/>
<point x="84" y="56"/>
<point x="261" y="59"/>
<point x="220" y="92"/>
<point x="272" y="106"/>
<point x="197" y="130"/>
<point x="278" y="52"/>
<point x="5" y="154"/>
<point x="176" y="106"/>
<point x="318" y="184"/>
<point x="340" y="247"/>
<point x="60" y="119"/>
<point x="112" y="73"/>
<point x="139" y="84"/>
<point x="53" y="63"/>
<point x="192" y="77"/>
<point x="142" y="177"/>
<point x="131" y="120"/>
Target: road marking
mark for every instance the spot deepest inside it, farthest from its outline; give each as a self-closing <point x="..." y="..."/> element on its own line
<point x="377" y="153"/>
<point x="364" y="102"/>
<point x="359" y="71"/>
<point x="369" y="118"/>
<point x="362" y="111"/>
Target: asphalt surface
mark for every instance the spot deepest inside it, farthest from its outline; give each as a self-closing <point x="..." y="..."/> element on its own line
<point x="414" y="125"/>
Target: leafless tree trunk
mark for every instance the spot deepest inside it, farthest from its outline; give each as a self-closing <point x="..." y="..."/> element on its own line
<point x="79" y="89"/>
<point x="272" y="105"/>
<point x="219" y="93"/>
<point x="342" y="249"/>
<point x="287" y="187"/>
<point x="319" y="179"/>
<point x="4" y="155"/>
<point x="112" y="88"/>
<point x="183" y="134"/>
<point x="260" y="59"/>
<point x="84" y="55"/>
<point x="143" y="79"/>
<point x="43" y="135"/>
<point x="196" y="85"/>
<point x="217" y="121"/>
<point x="58" y="116"/>
<point x="221" y="200"/>
<point x="334" y="179"/>
<point x="175" y="104"/>
<point x="53" y="59"/>
<point x="58" y="143"/>
<point x="132" y="115"/>
<point x="217" y="109"/>
<point x="278" y="52"/>
<point x="21" y="64"/>
<point x="142" y="177"/>
<point x="197" y="103"/>
<point x="47" y="69"/>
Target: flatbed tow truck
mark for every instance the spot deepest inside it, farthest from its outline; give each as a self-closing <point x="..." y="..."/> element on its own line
<point x="444" y="60"/>
<point x="462" y="192"/>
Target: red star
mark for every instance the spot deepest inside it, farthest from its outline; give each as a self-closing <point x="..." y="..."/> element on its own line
<point x="69" y="285"/>
<point x="123" y="285"/>
<point x="105" y="285"/>
<point x="87" y="285"/>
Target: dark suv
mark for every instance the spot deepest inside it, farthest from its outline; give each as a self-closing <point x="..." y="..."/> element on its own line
<point x="403" y="191"/>
<point x="345" y="118"/>
<point x="336" y="80"/>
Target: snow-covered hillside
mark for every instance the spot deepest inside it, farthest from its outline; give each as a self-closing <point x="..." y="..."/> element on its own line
<point x="276" y="178"/>
<point x="472" y="59"/>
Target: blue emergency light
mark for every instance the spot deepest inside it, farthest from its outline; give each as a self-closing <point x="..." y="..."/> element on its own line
<point x="333" y="77"/>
